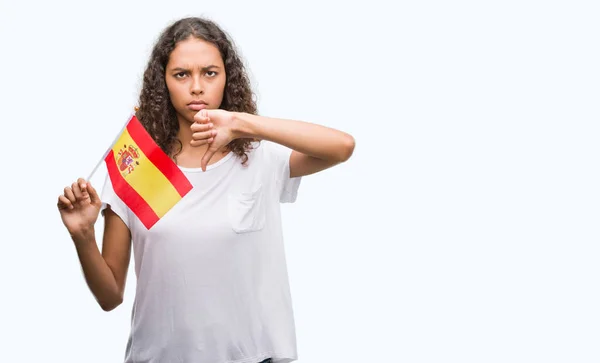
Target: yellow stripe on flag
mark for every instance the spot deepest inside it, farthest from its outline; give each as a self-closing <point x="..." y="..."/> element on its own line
<point x="147" y="180"/>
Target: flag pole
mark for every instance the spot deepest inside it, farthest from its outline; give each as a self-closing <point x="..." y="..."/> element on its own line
<point x="111" y="145"/>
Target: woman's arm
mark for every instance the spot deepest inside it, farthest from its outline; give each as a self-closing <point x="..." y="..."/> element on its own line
<point x="105" y="273"/>
<point x="315" y="147"/>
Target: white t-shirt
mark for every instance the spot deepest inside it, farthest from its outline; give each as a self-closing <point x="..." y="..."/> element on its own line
<point x="212" y="281"/>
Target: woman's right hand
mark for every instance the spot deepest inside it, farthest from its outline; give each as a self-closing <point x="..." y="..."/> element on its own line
<point x="79" y="207"/>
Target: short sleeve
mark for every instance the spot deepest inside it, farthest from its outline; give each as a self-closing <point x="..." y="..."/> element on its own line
<point x="110" y="198"/>
<point x="279" y="157"/>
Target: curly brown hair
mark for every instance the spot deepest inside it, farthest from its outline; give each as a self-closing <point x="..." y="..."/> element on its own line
<point x="155" y="110"/>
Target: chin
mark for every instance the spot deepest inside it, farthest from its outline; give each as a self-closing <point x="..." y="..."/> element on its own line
<point x="187" y="115"/>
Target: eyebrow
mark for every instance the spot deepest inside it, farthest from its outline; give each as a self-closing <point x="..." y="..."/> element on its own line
<point x="180" y="69"/>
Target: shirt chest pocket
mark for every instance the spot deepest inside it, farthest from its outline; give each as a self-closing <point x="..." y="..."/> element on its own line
<point x="246" y="210"/>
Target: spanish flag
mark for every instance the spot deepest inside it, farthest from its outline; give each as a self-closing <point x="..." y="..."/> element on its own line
<point x="143" y="175"/>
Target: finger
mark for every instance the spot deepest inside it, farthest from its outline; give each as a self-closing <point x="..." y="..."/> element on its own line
<point x="64" y="203"/>
<point x="70" y="195"/>
<point x="206" y="158"/>
<point x="202" y="121"/>
<point x="83" y="187"/>
<point x="94" y="198"/>
<point x="204" y="135"/>
<point x="201" y="142"/>
<point x="197" y="127"/>
<point x="76" y="191"/>
<point x="201" y="117"/>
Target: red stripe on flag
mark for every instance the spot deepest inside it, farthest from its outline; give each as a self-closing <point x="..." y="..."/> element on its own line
<point x="158" y="157"/>
<point x="128" y="195"/>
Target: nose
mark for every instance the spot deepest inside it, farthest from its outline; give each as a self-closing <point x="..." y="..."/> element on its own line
<point x="197" y="88"/>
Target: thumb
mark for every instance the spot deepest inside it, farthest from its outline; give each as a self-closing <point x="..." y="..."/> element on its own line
<point x="94" y="198"/>
<point x="206" y="158"/>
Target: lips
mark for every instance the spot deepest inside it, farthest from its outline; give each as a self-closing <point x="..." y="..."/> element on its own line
<point x="197" y="105"/>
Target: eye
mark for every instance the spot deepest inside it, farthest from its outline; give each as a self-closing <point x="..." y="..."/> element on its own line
<point x="211" y="73"/>
<point x="179" y="75"/>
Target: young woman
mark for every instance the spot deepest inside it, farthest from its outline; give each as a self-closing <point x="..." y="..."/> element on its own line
<point x="212" y="283"/>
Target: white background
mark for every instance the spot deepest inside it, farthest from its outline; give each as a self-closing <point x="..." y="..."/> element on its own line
<point x="463" y="229"/>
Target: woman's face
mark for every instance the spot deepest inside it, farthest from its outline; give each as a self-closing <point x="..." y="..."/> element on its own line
<point x="195" y="76"/>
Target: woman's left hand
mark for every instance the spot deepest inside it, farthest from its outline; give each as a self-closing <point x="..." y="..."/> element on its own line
<point x="222" y="131"/>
